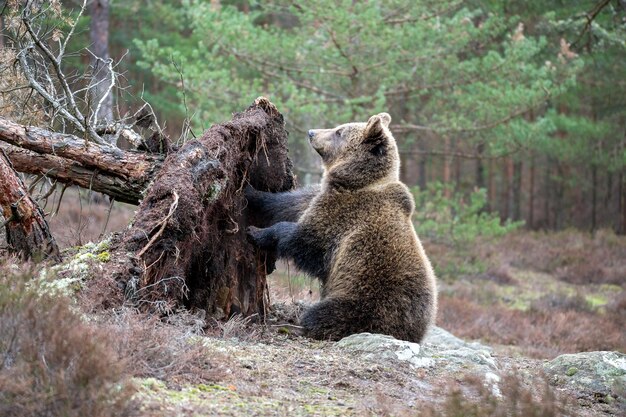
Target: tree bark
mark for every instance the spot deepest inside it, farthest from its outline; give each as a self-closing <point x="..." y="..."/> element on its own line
<point x="1" y="31"/>
<point x="621" y="230"/>
<point x="123" y="175"/>
<point x="187" y="243"/>
<point x="27" y="231"/>
<point x="480" y="166"/>
<point x="517" y="191"/>
<point x="446" y="166"/>
<point x="507" y="190"/>
<point x="531" y="193"/>
<point x="492" y="204"/>
<point x="594" y="196"/>
<point x="102" y="97"/>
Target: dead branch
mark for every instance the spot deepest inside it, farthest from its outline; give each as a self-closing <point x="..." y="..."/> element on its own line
<point x="105" y="158"/>
<point x="123" y="175"/>
<point x="27" y="231"/>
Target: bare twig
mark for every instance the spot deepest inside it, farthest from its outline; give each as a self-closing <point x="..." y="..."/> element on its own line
<point x="56" y="65"/>
<point x="590" y="17"/>
<point x="187" y="122"/>
<point x="106" y="223"/>
<point x="109" y="65"/>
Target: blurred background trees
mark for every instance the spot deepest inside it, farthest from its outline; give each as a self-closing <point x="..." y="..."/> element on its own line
<point x="519" y="106"/>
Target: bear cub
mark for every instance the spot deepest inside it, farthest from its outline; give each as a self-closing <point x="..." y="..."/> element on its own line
<point x="354" y="233"/>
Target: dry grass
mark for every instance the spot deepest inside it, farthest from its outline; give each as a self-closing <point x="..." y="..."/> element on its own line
<point x="573" y="256"/>
<point x="51" y="362"/>
<point x="54" y="361"/>
<point x="543" y="332"/>
<point x="154" y="349"/>
<point x="489" y="297"/>
<point x="473" y="397"/>
<point x="515" y="399"/>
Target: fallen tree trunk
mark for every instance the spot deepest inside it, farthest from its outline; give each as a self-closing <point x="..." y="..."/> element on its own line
<point x="27" y="231"/>
<point x="187" y="243"/>
<point x="123" y="175"/>
<point x="73" y="173"/>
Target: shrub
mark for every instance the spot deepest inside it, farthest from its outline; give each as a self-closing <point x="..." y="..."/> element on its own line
<point x="51" y="362"/>
<point x="459" y="218"/>
<point x="546" y="330"/>
<point x="512" y="399"/>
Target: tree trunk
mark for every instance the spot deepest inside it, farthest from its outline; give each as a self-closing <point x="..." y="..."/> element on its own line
<point x="480" y="166"/>
<point x="123" y="175"/>
<point x="421" y="169"/>
<point x="101" y="96"/>
<point x="621" y="201"/>
<point x="531" y="193"/>
<point x="457" y="167"/>
<point x="594" y="196"/>
<point x="27" y="231"/>
<point x="547" y="191"/>
<point x="559" y="190"/>
<point x="621" y="230"/>
<point x="507" y="189"/>
<point x="187" y="244"/>
<point x="1" y="31"/>
<point x="491" y="188"/>
<point x="446" y="166"/>
<point x="516" y="206"/>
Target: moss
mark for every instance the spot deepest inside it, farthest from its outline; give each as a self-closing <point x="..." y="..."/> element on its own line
<point x="212" y="387"/>
<point x="212" y="192"/>
<point x="104" y="256"/>
<point x="610" y="288"/>
<point x="150" y="383"/>
<point x="571" y="371"/>
<point x="596" y="300"/>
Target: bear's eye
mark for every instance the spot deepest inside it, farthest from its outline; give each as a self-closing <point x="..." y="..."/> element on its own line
<point x="338" y="132"/>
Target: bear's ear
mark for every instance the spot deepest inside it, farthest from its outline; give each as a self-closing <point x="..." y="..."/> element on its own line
<point x="374" y="131"/>
<point x="385" y="118"/>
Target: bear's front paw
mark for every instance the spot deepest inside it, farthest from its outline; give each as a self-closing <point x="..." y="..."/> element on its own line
<point x="250" y="192"/>
<point x="253" y="234"/>
<point x="262" y="238"/>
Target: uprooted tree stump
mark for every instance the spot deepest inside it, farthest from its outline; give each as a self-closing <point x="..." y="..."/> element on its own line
<point x="187" y="244"/>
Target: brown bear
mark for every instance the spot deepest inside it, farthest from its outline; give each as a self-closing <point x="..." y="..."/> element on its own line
<point x="354" y="233"/>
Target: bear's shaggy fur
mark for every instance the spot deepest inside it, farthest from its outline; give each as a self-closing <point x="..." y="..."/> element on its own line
<point x="354" y="233"/>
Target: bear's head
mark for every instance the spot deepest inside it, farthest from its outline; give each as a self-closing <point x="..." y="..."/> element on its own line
<point x="358" y="155"/>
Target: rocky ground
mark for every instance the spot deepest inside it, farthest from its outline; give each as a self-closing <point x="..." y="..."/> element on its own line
<point x="366" y="374"/>
<point x="526" y="318"/>
<point x="534" y="326"/>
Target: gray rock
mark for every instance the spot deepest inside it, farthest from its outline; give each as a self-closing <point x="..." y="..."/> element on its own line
<point x="379" y="346"/>
<point x="437" y="338"/>
<point x="440" y="350"/>
<point x="601" y="375"/>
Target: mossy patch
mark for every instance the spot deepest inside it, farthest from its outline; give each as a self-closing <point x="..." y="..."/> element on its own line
<point x="104" y="256"/>
<point x="212" y="399"/>
<point x="596" y="300"/>
<point x="67" y="278"/>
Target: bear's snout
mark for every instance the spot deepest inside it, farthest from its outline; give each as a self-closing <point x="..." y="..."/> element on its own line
<point x="311" y="134"/>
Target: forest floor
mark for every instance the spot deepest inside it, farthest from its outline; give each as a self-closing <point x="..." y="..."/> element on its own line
<point x="529" y="296"/>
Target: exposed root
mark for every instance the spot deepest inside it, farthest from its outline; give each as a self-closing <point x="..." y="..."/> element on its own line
<point x="162" y="226"/>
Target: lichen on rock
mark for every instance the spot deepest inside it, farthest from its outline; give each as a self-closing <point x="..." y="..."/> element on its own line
<point x="599" y="375"/>
<point x="440" y="350"/>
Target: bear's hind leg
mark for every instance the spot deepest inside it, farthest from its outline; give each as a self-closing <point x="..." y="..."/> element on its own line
<point x="333" y="319"/>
